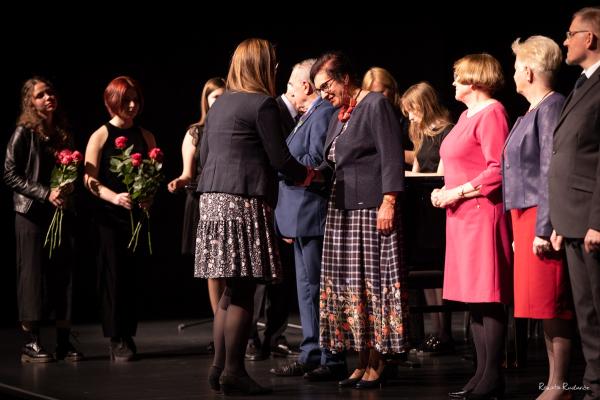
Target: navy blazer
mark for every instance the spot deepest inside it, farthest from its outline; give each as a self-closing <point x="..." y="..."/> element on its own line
<point x="575" y="167"/>
<point x="301" y="211"/>
<point x="526" y="160"/>
<point x="243" y="146"/>
<point x="369" y="159"/>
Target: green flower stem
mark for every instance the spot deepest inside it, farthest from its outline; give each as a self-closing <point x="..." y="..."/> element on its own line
<point x="49" y="233"/>
<point x="134" y="236"/>
<point x="60" y="226"/>
<point x="148" y="228"/>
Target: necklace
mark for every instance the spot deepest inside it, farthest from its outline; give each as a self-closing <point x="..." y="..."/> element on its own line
<point x="346" y="110"/>
<point x="533" y="106"/>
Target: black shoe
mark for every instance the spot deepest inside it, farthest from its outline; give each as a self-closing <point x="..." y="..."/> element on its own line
<point x="292" y="369"/>
<point x="131" y="344"/>
<point x="459" y="394"/>
<point x="377" y="383"/>
<point x="119" y="351"/>
<point x="326" y="374"/>
<point x="255" y="353"/>
<point x="350" y="382"/>
<point x="231" y="384"/>
<point x="214" y="373"/>
<point x="34" y="353"/>
<point x="68" y="352"/>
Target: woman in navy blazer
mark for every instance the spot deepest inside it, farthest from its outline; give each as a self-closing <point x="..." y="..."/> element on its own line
<point x="541" y="288"/>
<point x="362" y="300"/>
<point x="241" y="150"/>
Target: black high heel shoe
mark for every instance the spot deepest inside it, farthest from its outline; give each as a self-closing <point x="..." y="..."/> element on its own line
<point x="214" y="373"/>
<point x="377" y="383"/>
<point x="459" y="394"/>
<point x="349" y="382"/>
<point x="231" y="384"/>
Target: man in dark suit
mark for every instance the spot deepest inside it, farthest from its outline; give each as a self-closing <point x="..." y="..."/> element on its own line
<point x="274" y="299"/>
<point x="300" y="217"/>
<point x="574" y="187"/>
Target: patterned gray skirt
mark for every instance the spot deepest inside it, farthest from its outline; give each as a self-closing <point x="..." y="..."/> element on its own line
<point x="236" y="238"/>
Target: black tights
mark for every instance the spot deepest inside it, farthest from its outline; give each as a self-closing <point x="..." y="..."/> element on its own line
<point x="488" y="325"/>
<point x="232" y="325"/>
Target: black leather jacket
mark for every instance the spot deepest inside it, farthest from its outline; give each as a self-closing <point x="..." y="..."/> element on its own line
<point x="22" y="169"/>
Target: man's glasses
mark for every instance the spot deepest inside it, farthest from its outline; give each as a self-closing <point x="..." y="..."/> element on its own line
<point x="325" y="87"/>
<point x="570" y="34"/>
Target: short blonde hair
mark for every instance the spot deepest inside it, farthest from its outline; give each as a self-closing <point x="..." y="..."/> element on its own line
<point x="481" y="70"/>
<point x="383" y="76"/>
<point x="539" y="53"/>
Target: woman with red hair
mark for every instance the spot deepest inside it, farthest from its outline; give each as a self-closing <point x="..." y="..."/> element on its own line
<point x="116" y="262"/>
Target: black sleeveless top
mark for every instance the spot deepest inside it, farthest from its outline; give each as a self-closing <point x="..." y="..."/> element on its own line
<point x="110" y="179"/>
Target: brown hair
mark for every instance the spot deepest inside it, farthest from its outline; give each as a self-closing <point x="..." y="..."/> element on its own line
<point x="29" y="117"/>
<point x="114" y="95"/>
<point x="210" y="86"/>
<point x="481" y="70"/>
<point x="337" y="65"/>
<point x="252" y="68"/>
<point x="424" y="99"/>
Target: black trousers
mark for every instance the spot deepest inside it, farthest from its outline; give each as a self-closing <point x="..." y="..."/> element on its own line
<point x="584" y="273"/>
<point x="44" y="285"/>
<point x="117" y="281"/>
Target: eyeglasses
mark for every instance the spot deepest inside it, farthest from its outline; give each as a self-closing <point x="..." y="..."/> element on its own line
<point x="570" y="34"/>
<point x="325" y="87"/>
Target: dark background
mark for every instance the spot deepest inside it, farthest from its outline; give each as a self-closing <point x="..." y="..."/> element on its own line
<point x="172" y="52"/>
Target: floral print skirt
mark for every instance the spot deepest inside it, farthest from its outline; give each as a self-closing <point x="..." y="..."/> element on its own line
<point x="363" y="297"/>
<point x="236" y="238"/>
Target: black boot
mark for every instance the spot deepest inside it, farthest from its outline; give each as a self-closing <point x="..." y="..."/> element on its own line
<point x="64" y="348"/>
<point x="33" y="352"/>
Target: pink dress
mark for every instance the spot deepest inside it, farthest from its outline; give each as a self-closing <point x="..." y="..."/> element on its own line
<point x="478" y="243"/>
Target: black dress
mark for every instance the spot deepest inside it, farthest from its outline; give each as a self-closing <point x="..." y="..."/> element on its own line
<point x="429" y="154"/>
<point x="191" y="212"/>
<point x="117" y="265"/>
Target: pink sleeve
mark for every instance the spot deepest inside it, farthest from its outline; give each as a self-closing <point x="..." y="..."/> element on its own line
<point x="491" y="132"/>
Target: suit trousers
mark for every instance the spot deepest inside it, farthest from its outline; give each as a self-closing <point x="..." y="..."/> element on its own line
<point x="584" y="271"/>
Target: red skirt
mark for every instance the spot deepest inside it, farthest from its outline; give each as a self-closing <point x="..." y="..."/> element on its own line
<point x="541" y="285"/>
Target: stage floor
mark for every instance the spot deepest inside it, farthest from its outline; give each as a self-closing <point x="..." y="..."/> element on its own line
<point x="174" y="365"/>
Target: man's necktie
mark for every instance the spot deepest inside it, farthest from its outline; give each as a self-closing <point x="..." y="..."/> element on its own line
<point x="580" y="81"/>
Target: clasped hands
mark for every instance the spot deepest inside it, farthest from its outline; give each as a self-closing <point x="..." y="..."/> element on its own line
<point x="442" y="198"/>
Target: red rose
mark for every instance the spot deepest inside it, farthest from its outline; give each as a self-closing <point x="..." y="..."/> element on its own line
<point x="66" y="159"/>
<point x="136" y="159"/>
<point x="77" y="157"/>
<point x="121" y="142"/>
<point x="156" y="154"/>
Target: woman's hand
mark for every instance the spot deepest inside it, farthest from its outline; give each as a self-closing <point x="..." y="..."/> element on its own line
<point x="55" y="197"/>
<point x="541" y="246"/>
<point x="178" y="184"/>
<point x="385" y="216"/>
<point x="122" y="200"/>
<point x="556" y="240"/>
<point x="448" y="197"/>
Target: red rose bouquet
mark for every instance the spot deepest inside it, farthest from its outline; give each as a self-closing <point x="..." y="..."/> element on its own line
<point x="64" y="174"/>
<point x="142" y="178"/>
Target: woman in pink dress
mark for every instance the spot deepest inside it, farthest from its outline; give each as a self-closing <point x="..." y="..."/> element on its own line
<point x="478" y="244"/>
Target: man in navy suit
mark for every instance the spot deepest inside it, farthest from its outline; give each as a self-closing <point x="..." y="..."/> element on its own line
<point x="574" y="187"/>
<point x="300" y="217"/>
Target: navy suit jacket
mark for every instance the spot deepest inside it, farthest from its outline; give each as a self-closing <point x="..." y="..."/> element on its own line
<point x="526" y="160"/>
<point x="301" y="211"/>
<point x="575" y="167"/>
